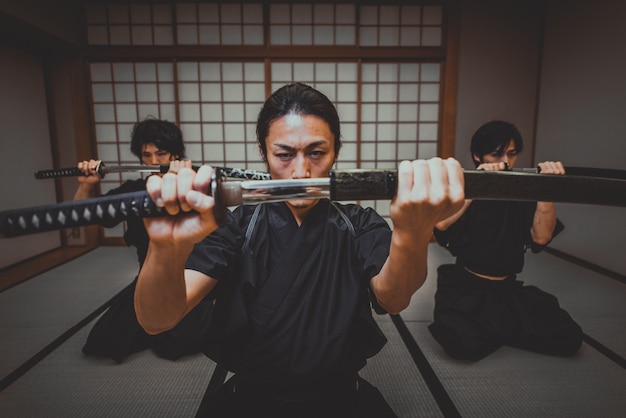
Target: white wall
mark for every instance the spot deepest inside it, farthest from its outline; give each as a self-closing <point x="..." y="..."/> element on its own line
<point x="25" y="144"/>
<point x="582" y="116"/>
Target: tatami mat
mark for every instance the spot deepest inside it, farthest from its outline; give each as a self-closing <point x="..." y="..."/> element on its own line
<point x="510" y="382"/>
<point x="517" y="383"/>
<point x="68" y="384"/>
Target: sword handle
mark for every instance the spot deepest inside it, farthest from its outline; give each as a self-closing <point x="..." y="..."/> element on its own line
<point x="96" y="210"/>
<point x="101" y="210"/>
<point x="61" y="172"/>
<point x="70" y="172"/>
<point x="363" y="184"/>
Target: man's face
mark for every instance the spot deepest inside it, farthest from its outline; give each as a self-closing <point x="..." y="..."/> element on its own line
<point x="151" y="155"/>
<point x="507" y="155"/>
<point x="300" y="146"/>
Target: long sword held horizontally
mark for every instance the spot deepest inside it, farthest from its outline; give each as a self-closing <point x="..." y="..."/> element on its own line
<point x="341" y="185"/>
<point x="103" y="169"/>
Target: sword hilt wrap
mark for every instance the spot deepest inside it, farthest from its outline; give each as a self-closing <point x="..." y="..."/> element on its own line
<point x="363" y="184"/>
<point x="110" y="209"/>
<point x="61" y="172"/>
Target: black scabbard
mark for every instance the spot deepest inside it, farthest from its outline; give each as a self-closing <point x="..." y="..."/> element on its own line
<point x="361" y="184"/>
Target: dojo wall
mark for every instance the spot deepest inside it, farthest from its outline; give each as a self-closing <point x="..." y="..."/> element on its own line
<point x="582" y="116"/>
<point x="571" y="85"/>
<point x="25" y="144"/>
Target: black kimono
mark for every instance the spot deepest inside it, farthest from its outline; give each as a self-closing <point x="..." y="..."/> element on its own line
<point x="293" y="309"/>
<point x="475" y="316"/>
<point x="117" y="333"/>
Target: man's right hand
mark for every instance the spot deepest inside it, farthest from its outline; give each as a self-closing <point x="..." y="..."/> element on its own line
<point x="185" y="197"/>
<point x="91" y="176"/>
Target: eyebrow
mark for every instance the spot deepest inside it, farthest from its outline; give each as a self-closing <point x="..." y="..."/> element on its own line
<point x="292" y="149"/>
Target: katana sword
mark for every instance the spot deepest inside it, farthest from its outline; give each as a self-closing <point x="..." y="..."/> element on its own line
<point x="341" y="185"/>
<point x="103" y="169"/>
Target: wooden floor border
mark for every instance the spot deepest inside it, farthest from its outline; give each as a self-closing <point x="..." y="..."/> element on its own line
<point x="31" y="267"/>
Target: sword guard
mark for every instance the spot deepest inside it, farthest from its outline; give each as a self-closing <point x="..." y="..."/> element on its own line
<point x="219" y="210"/>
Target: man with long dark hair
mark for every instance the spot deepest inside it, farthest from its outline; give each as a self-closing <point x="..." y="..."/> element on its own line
<point x="295" y="282"/>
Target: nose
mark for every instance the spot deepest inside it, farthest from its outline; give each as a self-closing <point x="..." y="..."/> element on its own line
<point x="301" y="168"/>
<point x="153" y="159"/>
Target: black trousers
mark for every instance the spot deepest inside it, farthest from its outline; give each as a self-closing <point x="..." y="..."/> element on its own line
<point x="351" y="398"/>
<point x="473" y="317"/>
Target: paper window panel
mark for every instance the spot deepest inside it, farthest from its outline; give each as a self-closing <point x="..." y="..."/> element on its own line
<point x="118" y="13"/>
<point x="212" y="132"/>
<point x="166" y="92"/>
<point x="407" y="151"/>
<point x="163" y="35"/>
<point x="103" y="112"/>
<point x="212" y="112"/>
<point x="141" y="35"/>
<point x="123" y="72"/>
<point x="190" y="112"/>
<point x="429" y="112"/>
<point x="147" y="92"/>
<point x="102" y="92"/>
<point x="234" y="132"/>
<point x="188" y="92"/>
<point x="105" y="132"/>
<point x="98" y="35"/>
<point x="125" y="92"/>
<point x="428" y="131"/>
<point x="233" y="112"/>
<point x="126" y="113"/>
<point x="108" y="152"/>
<point x="146" y="72"/>
<point x="193" y="149"/>
<point x="213" y="153"/>
<point x="167" y="112"/>
<point x="119" y="34"/>
<point x="427" y="149"/>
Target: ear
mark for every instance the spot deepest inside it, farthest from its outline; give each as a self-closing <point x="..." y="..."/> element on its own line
<point x="476" y="158"/>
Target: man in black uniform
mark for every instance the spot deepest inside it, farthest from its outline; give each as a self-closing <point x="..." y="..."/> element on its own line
<point x="479" y="304"/>
<point x="294" y="282"/>
<point x="117" y="333"/>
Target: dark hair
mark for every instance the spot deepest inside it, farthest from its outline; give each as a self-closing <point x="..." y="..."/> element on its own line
<point x="163" y="134"/>
<point x="494" y="136"/>
<point x="300" y="99"/>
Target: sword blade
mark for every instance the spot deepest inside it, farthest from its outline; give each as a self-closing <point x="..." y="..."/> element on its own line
<point x="342" y="185"/>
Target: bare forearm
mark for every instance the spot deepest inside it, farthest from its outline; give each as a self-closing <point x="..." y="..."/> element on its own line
<point x="85" y="191"/>
<point x="544" y="222"/>
<point x="404" y="271"/>
<point x="160" y="294"/>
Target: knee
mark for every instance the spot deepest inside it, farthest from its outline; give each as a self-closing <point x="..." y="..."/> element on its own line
<point x="460" y="347"/>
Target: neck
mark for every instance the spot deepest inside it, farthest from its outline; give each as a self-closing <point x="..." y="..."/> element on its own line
<point x="300" y="209"/>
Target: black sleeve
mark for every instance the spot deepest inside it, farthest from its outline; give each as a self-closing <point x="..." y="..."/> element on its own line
<point x="218" y="255"/>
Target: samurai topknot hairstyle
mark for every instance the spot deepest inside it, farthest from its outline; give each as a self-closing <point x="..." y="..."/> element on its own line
<point x="299" y="99"/>
<point x="492" y="137"/>
<point x="163" y="134"/>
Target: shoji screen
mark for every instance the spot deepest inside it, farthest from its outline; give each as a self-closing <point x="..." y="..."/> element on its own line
<point x="390" y="105"/>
